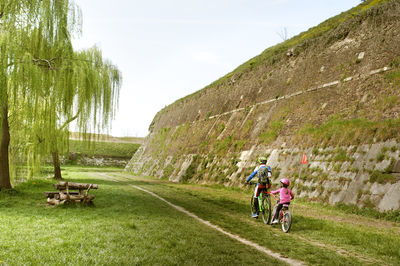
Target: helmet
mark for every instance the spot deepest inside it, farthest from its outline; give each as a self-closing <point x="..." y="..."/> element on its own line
<point x="262" y="159"/>
<point x="285" y="181"/>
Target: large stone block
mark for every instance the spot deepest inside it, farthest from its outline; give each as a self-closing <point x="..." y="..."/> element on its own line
<point x="396" y="167"/>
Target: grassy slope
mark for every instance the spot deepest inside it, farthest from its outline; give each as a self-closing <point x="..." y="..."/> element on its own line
<point x="106" y="138"/>
<point x="127" y="226"/>
<point x="109" y="149"/>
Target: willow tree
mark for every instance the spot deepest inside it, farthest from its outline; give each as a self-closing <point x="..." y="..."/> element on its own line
<point x="44" y="82"/>
<point x="90" y="90"/>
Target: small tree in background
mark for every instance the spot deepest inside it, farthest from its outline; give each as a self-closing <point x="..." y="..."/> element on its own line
<point x="44" y="83"/>
<point x="283" y="34"/>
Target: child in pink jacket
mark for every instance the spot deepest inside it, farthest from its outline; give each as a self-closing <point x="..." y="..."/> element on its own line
<point x="285" y="195"/>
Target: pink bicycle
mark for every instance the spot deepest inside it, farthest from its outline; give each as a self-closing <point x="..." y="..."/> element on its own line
<point x="285" y="216"/>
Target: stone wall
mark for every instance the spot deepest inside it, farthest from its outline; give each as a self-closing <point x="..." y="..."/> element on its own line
<point x="365" y="175"/>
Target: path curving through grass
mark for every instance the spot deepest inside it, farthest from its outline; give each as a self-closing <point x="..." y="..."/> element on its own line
<point x="219" y="229"/>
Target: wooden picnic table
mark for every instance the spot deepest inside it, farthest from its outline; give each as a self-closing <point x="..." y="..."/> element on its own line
<point x="70" y="192"/>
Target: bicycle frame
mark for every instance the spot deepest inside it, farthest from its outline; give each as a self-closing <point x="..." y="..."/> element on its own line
<point x="284" y="209"/>
<point x="264" y="205"/>
<point x="260" y="198"/>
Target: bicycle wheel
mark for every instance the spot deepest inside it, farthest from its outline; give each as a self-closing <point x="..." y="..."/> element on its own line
<point x="266" y="209"/>
<point x="286" y="221"/>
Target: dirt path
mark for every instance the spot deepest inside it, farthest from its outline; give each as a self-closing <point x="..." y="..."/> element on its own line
<point x="215" y="227"/>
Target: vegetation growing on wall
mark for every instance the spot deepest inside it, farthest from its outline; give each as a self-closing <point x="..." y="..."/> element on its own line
<point x="158" y="142"/>
<point x="272" y="133"/>
<point x="339" y="131"/>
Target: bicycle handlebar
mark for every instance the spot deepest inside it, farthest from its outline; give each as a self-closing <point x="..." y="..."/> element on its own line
<point x="252" y="183"/>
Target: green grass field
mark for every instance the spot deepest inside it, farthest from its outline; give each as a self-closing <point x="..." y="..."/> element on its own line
<point x="126" y="226"/>
<point x="108" y="149"/>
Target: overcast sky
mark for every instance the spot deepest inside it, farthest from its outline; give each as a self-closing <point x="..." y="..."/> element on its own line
<point x="169" y="49"/>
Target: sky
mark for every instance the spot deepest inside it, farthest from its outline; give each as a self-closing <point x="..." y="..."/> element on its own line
<point x="166" y="50"/>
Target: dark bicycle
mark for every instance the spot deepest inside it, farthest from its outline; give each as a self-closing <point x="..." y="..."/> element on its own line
<point x="264" y="205"/>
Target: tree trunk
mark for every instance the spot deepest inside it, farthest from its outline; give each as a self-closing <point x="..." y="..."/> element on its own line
<point x="4" y="144"/>
<point x="56" y="164"/>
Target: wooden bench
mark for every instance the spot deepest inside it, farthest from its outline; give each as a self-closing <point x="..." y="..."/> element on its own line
<point x="66" y="195"/>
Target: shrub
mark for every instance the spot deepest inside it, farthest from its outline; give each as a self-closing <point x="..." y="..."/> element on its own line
<point x="389" y="169"/>
<point x="381" y="178"/>
<point x="168" y="171"/>
<point x="222" y="146"/>
<point x="341" y="156"/>
<point x="238" y="145"/>
<point x="191" y="170"/>
<point x="272" y="133"/>
<point x="380" y="157"/>
<point x="221" y="127"/>
<point x="393" y="76"/>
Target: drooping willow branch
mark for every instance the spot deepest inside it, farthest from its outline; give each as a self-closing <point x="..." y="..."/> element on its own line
<point x="66" y="123"/>
<point x="50" y="63"/>
<point x="44" y="62"/>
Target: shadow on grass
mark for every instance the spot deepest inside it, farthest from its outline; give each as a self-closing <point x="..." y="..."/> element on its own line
<point x="303" y="224"/>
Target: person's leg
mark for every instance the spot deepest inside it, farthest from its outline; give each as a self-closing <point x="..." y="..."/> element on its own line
<point x="276" y="212"/>
<point x="256" y="190"/>
<point x="255" y="202"/>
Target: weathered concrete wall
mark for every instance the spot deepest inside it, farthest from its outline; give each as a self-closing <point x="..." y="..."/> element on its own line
<point x="367" y="175"/>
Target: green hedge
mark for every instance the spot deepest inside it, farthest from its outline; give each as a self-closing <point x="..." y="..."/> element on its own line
<point x="106" y="149"/>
